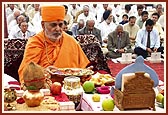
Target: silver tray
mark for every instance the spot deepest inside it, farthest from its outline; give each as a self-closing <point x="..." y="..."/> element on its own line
<point x="71" y="72"/>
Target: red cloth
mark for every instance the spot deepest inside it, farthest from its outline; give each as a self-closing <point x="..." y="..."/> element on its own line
<point x="158" y="67"/>
<point x="20" y="100"/>
<point x="14" y="82"/>
<point x="14" y="85"/>
<point x="61" y="97"/>
<point x="102" y="72"/>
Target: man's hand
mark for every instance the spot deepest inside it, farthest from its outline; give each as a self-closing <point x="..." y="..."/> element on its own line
<point x="90" y="67"/>
<point x="105" y="40"/>
<point x="50" y="69"/>
<point x="155" y="49"/>
<point x="121" y="50"/>
<point x="117" y="15"/>
<point x="132" y="38"/>
<point x="149" y="50"/>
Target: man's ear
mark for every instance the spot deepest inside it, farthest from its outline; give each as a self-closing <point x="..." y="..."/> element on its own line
<point x="42" y="24"/>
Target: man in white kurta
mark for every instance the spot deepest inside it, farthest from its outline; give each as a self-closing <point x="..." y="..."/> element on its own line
<point x="106" y="26"/>
<point x="86" y="15"/>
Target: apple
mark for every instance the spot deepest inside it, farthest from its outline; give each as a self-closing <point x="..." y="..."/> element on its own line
<point x="159" y="97"/>
<point x="88" y="86"/>
<point x="96" y="97"/>
<point x="108" y="104"/>
<point x="56" y="88"/>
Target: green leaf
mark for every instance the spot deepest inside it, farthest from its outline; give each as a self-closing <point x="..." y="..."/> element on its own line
<point x="31" y="88"/>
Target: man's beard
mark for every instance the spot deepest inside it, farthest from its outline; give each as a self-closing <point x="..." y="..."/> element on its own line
<point x="53" y="36"/>
<point x="108" y="21"/>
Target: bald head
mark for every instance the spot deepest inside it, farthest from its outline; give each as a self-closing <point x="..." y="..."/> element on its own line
<point x="90" y="24"/>
<point x="85" y="7"/>
<point x="119" y="26"/>
<point x="16" y="13"/>
<point x="86" y="10"/>
<point x="109" y="8"/>
<point x="119" y="29"/>
<point x="20" y="19"/>
<point x="81" y="23"/>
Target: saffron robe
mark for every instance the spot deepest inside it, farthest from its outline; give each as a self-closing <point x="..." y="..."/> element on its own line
<point x="64" y="54"/>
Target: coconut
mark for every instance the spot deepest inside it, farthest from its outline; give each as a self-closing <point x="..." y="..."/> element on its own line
<point x="33" y="75"/>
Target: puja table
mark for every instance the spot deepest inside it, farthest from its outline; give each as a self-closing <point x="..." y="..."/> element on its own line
<point x="49" y="104"/>
<point x="60" y="106"/>
<point x="86" y="104"/>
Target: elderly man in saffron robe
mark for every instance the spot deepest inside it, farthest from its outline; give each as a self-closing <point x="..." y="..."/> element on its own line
<point x="52" y="46"/>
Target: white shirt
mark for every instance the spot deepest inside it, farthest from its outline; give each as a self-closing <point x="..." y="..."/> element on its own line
<point x="16" y="28"/>
<point x="158" y="27"/>
<point x="10" y="18"/>
<point x="100" y="14"/>
<point x="21" y="35"/>
<point x="89" y="17"/>
<point x="141" y="39"/>
<point x="69" y="19"/>
<point x="29" y="7"/>
<point x="37" y="22"/>
<point x="31" y="14"/>
<point x="74" y="11"/>
<point x="11" y="25"/>
<point x="13" y="30"/>
<point x="106" y="29"/>
<point x="130" y="13"/>
<point x="94" y="10"/>
<point x="137" y="16"/>
<point x="9" y="11"/>
<point x="161" y="21"/>
<point x="116" y="11"/>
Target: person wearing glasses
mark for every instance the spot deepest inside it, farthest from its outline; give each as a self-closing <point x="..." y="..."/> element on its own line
<point x="23" y="33"/>
<point x="52" y="46"/>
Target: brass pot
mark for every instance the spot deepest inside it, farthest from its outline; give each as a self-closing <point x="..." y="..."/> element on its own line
<point x="33" y="98"/>
<point x="9" y="95"/>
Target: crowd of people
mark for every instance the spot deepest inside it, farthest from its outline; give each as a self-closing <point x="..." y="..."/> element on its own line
<point x="118" y="27"/>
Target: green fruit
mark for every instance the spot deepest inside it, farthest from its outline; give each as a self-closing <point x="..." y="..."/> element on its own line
<point x="163" y="102"/>
<point x="96" y="98"/>
<point x="88" y="86"/>
<point x="108" y="104"/>
<point x="159" y="97"/>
